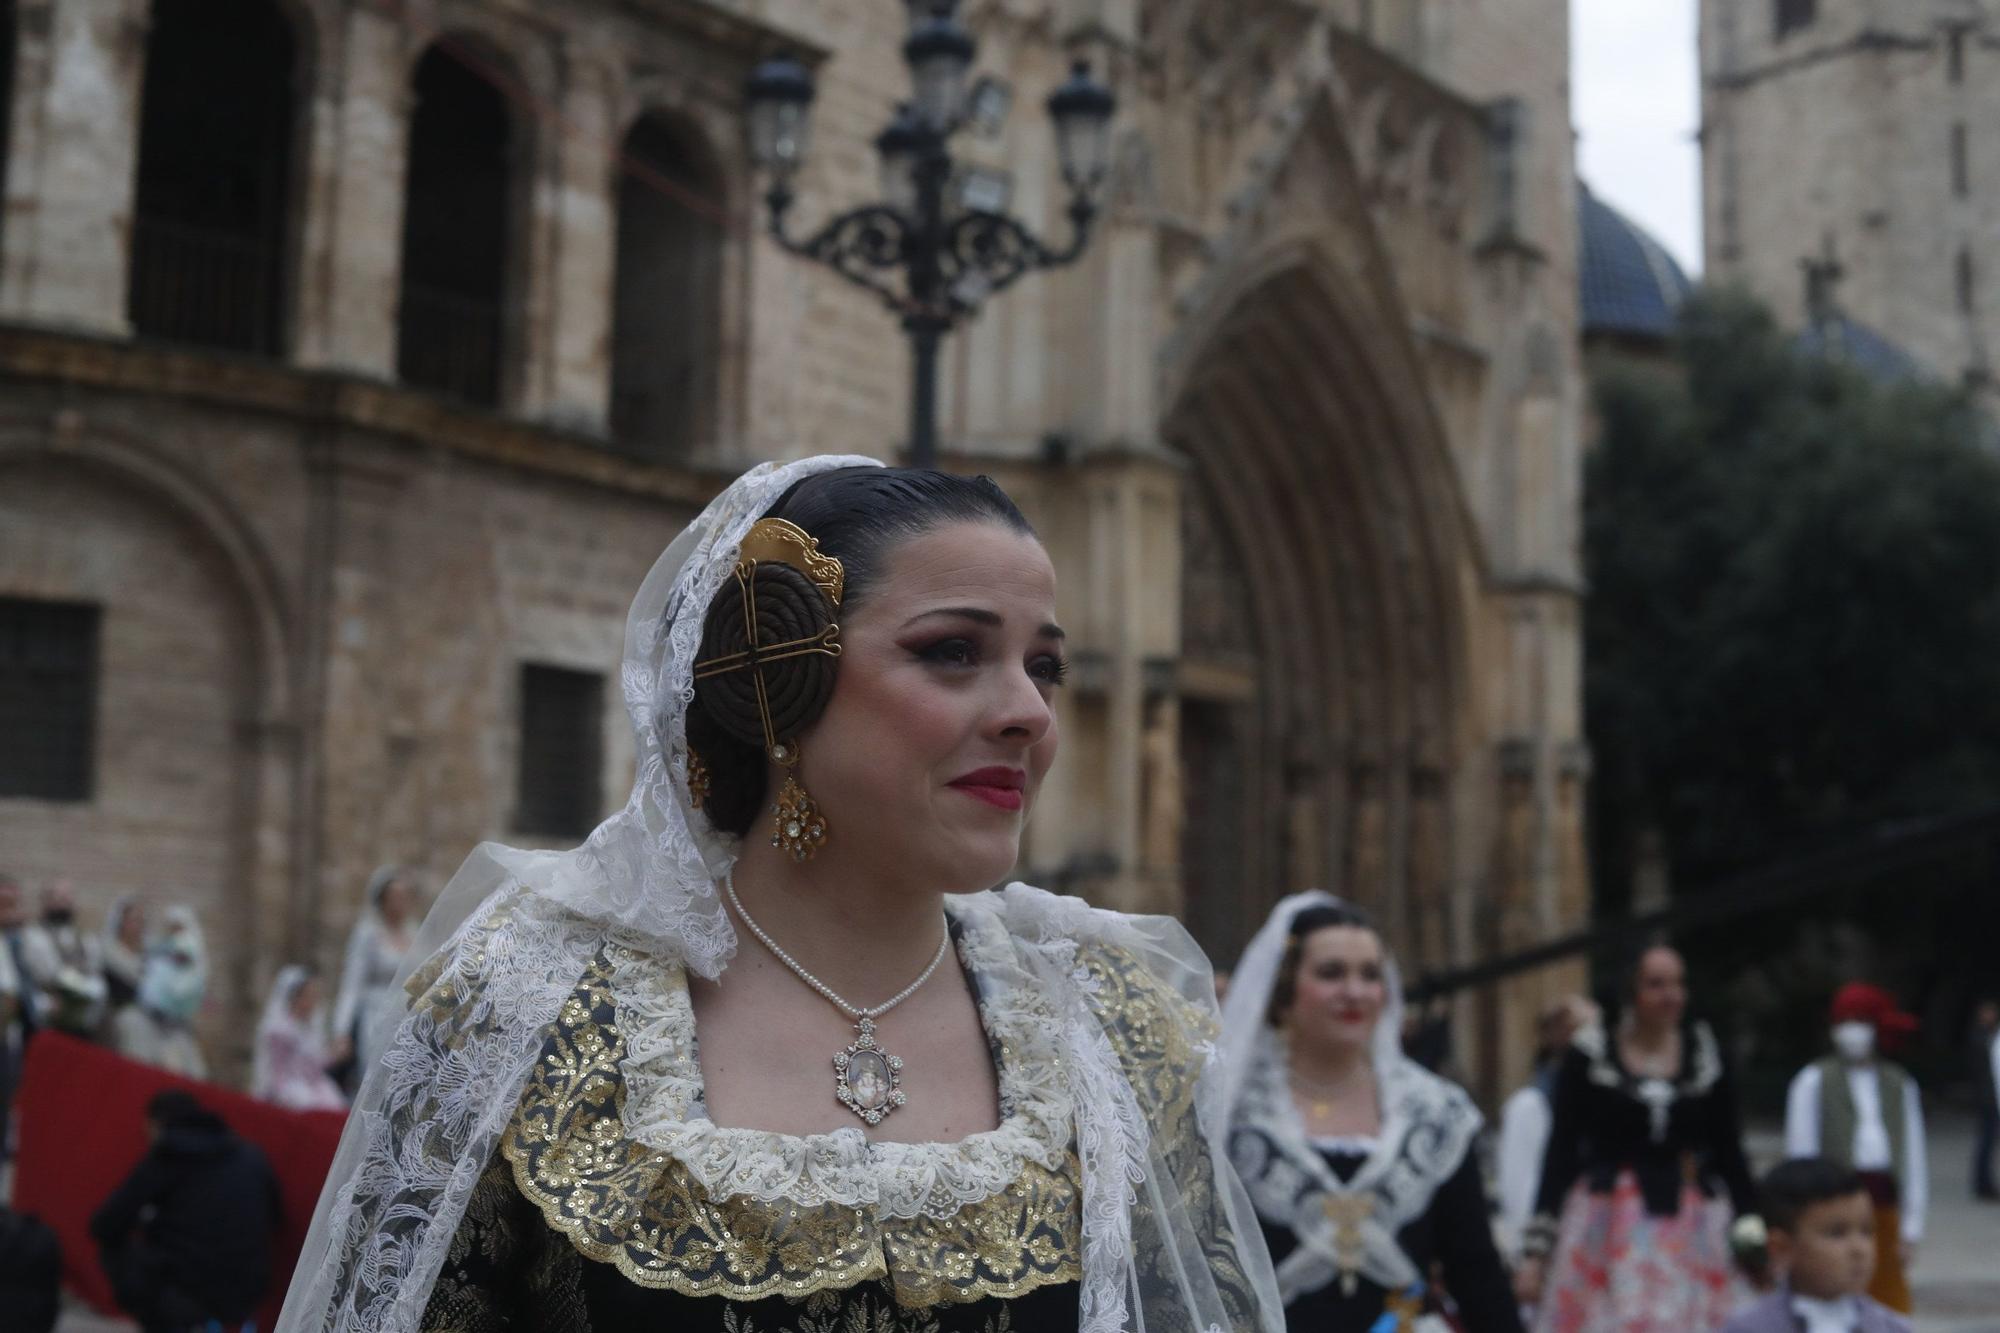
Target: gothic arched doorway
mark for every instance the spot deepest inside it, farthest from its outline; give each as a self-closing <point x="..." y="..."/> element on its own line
<point x="1322" y="625"/>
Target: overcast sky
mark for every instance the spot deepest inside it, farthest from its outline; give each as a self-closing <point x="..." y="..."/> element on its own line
<point x="1637" y="109"/>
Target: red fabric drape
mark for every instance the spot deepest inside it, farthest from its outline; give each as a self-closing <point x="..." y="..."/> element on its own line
<point x="82" y="1115"/>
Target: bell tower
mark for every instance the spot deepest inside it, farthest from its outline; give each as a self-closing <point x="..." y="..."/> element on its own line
<point x="1870" y="129"/>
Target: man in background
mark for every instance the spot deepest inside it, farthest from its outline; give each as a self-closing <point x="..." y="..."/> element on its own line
<point x="186" y="1240"/>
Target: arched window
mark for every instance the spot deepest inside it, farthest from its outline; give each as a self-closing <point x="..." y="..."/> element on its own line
<point x="210" y="226"/>
<point x="458" y="230"/>
<point x="1795" y="14"/>
<point x="667" y="305"/>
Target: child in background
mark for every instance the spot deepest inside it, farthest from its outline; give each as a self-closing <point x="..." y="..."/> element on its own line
<point x="1821" y="1223"/>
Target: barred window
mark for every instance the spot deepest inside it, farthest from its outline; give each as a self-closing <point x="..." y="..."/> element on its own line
<point x="562" y="724"/>
<point x="1796" y="14"/>
<point x="48" y="698"/>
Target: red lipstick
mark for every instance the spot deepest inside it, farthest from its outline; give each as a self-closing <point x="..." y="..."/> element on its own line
<point x="998" y="786"/>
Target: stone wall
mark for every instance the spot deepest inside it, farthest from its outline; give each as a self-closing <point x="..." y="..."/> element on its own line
<point x="1841" y="133"/>
<point x="1330" y="307"/>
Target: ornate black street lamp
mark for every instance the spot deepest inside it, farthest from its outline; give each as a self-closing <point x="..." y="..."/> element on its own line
<point x="931" y="258"/>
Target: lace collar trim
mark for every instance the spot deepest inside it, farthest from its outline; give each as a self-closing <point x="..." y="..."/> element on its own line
<point x="1701" y="1066"/>
<point x="1427" y="1127"/>
<point x="665" y="1110"/>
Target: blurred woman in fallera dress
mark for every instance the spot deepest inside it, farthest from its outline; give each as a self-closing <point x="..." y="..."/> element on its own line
<point x="1643" y="1173"/>
<point x="1360" y="1162"/>
<point x="765" y="1053"/>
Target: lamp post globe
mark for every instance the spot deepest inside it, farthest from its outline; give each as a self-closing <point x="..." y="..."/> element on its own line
<point x="939" y="52"/>
<point x="901" y="146"/>
<point x="1081" y="109"/>
<point x="780" y="96"/>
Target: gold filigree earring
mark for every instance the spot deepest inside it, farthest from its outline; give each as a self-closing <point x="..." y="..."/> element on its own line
<point x="799" y="828"/>
<point x="697" y="780"/>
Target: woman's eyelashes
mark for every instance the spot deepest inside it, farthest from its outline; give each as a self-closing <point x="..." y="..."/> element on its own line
<point x="950" y="652"/>
<point x="960" y="653"/>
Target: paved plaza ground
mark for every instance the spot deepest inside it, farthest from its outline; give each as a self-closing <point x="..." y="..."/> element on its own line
<point x="1957" y="1278"/>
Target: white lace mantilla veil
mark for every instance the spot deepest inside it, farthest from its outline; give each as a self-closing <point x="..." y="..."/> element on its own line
<point x="515" y="930"/>
<point x="1427" y="1123"/>
<point x="1244" y="1020"/>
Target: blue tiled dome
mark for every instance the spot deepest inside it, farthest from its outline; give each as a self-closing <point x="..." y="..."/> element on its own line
<point x="1838" y="338"/>
<point x="1631" y="285"/>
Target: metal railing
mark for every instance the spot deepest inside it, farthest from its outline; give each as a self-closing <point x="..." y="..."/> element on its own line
<point x="204" y="285"/>
<point x="1875" y="851"/>
<point x="450" y="342"/>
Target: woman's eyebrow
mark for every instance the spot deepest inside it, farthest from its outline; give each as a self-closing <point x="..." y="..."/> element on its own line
<point x="979" y="615"/>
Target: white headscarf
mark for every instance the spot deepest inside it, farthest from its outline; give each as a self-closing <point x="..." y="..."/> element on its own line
<point x="1245" y="1014"/>
<point x="176" y="973"/>
<point x="514" y="930"/>
<point x="278" y="1017"/>
<point x="1427" y="1123"/>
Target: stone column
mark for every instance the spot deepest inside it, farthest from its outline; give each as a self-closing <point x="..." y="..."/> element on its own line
<point x="360" y="488"/>
<point x="72" y="163"/>
<point x="573" y="226"/>
<point x="1429" y="929"/>
<point x="352" y="260"/>
<point x="1128" y="559"/>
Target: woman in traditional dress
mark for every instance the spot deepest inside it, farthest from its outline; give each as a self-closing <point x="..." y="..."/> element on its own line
<point x="291" y="1060"/>
<point x="124" y="953"/>
<point x="1358" y="1160"/>
<point x="1643" y="1171"/>
<point x="376" y="948"/>
<point x="159" y="1029"/>
<point x="761" y="1055"/>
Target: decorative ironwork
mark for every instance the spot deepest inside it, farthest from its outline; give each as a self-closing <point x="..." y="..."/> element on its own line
<point x="982" y="253"/>
<point x="932" y="259"/>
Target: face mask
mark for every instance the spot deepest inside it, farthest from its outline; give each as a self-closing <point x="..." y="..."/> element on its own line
<point x="1854" y="1041"/>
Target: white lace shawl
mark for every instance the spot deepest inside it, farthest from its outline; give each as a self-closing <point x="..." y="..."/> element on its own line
<point x="514" y="931"/>
<point x="1427" y="1127"/>
<point x="664" y="1108"/>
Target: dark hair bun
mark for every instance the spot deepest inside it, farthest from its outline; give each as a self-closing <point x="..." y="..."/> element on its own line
<point x="858" y="515"/>
<point x="789" y="608"/>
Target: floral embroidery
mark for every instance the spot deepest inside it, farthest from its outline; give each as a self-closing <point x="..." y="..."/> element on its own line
<point x="648" y="1212"/>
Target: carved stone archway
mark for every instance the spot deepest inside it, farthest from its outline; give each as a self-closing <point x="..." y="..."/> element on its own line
<point x="1320" y="686"/>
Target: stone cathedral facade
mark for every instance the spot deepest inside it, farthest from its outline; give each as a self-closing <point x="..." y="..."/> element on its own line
<point x="357" y="357"/>
<point x="1862" y="136"/>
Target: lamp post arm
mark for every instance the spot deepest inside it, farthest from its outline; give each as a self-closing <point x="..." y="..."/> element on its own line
<point x="863" y="245"/>
<point x="992" y="251"/>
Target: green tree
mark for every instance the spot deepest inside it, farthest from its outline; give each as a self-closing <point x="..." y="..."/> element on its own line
<point x="1793" y="634"/>
<point x="1794" y="621"/>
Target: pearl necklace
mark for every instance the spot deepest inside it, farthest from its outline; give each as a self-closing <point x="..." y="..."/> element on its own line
<point x="867" y="1080"/>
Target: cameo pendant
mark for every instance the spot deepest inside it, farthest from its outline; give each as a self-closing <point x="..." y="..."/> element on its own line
<point x="868" y="1080"/>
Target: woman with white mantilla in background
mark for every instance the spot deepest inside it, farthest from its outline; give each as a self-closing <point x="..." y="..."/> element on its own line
<point x="376" y="949"/>
<point x="291" y="1060"/>
<point x="1359" y="1161"/>
<point x="159" y="1029"/>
